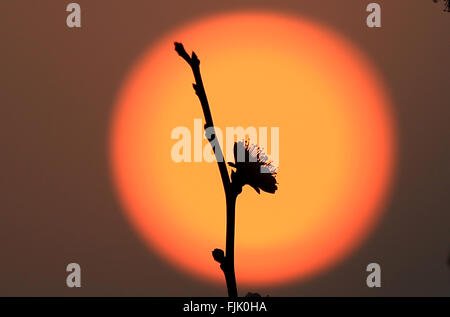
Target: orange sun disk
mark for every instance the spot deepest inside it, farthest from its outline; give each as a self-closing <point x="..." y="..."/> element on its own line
<point x="260" y="69"/>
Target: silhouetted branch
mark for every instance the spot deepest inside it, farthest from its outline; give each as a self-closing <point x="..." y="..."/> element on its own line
<point x="226" y="261"/>
<point x="194" y="62"/>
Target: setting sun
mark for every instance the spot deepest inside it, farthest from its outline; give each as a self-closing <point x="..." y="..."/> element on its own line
<point x="260" y="69"/>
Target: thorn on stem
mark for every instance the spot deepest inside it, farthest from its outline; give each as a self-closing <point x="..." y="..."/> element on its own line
<point x="250" y="294"/>
<point x="195" y="59"/>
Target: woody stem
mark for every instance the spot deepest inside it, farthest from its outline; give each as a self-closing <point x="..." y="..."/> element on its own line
<point x="228" y="269"/>
<point x="228" y="263"/>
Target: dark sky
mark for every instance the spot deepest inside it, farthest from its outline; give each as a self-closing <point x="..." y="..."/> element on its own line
<point x="58" y="87"/>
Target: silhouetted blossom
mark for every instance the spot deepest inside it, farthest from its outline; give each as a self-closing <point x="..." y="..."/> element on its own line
<point x="253" y="168"/>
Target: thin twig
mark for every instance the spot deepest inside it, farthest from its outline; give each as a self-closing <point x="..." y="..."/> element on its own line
<point x="227" y="261"/>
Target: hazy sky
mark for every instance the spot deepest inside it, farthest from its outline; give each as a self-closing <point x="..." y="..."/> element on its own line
<point x="58" y="87"/>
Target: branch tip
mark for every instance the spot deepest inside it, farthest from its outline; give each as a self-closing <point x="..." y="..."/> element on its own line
<point x="179" y="48"/>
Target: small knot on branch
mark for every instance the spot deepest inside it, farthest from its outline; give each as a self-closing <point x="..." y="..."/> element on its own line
<point x="219" y="255"/>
